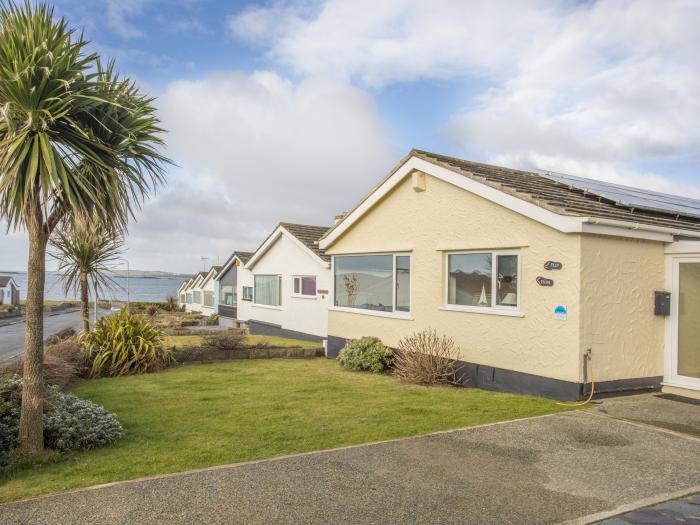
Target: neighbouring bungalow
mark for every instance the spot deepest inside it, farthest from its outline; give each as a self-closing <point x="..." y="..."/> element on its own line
<point x="207" y="285"/>
<point x="9" y="291"/>
<point x="284" y="288"/>
<point x="525" y="271"/>
<point x="226" y="289"/>
<point x="182" y="290"/>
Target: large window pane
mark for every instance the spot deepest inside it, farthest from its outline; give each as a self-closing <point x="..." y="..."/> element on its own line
<point x="403" y="283"/>
<point x="364" y="282"/>
<point x="209" y="299"/>
<point x="227" y="295"/>
<point x="267" y="290"/>
<point x="507" y="280"/>
<point x="469" y="279"/>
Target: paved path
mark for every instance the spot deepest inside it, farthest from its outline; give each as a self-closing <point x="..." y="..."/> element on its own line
<point x="12" y="335"/>
<point x="676" y="512"/>
<point x="577" y="466"/>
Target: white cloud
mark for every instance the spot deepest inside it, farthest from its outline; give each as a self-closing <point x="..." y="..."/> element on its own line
<point x="255" y="150"/>
<point x="597" y="88"/>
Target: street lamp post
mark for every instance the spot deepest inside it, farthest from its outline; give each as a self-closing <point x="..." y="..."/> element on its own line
<point x="128" y="270"/>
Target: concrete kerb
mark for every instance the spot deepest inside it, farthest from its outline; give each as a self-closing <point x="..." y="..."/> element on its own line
<point x="628" y="507"/>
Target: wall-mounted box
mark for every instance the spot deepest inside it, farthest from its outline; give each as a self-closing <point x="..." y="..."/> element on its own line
<point x="662" y="303"/>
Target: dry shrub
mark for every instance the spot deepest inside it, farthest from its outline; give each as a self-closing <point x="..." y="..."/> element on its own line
<point x="151" y="310"/>
<point x="63" y="363"/>
<point x="62" y="335"/>
<point x="226" y="340"/>
<point x="427" y="359"/>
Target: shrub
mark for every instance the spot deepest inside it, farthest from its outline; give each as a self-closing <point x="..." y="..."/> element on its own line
<point x="367" y="353"/>
<point x="63" y="362"/>
<point x="70" y="423"/>
<point x="151" y="310"/>
<point x="426" y="359"/>
<point x="123" y="344"/>
<point x="62" y="335"/>
<point x="226" y="340"/>
<point x="170" y="304"/>
<point x="212" y="320"/>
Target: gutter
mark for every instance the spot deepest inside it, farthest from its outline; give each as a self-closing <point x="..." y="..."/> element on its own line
<point x="639" y="226"/>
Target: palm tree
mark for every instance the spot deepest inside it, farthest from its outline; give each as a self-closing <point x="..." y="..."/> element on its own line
<point x="84" y="253"/>
<point x="76" y="143"/>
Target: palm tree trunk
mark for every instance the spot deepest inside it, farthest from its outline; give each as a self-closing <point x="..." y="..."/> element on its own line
<point x="31" y="431"/>
<point x="85" y="300"/>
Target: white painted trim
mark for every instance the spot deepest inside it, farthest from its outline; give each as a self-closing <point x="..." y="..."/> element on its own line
<point x="266" y="306"/>
<point x="272" y="239"/>
<point x="477" y="310"/>
<point x="227" y="267"/>
<point x="209" y="276"/>
<point x="494" y="309"/>
<point x="562" y="223"/>
<point x="671" y="376"/>
<point x="406" y="316"/>
<point x="683" y="247"/>
<point x="393" y="255"/>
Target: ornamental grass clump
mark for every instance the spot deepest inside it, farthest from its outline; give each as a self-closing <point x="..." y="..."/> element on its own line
<point x="425" y="358"/>
<point x="367" y="353"/>
<point x="125" y="344"/>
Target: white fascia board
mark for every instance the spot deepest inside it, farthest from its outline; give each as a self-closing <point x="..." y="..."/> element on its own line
<point x="683" y="247"/>
<point x="227" y="267"/>
<point x="209" y="276"/>
<point x="272" y="239"/>
<point x="560" y="222"/>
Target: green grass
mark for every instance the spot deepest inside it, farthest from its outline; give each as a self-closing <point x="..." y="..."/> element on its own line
<point x="51" y="302"/>
<point x="202" y="415"/>
<point x="178" y="341"/>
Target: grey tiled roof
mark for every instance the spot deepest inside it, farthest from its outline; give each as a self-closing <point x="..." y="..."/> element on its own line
<point x="556" y="196"/>
<point x="309" y="236"/>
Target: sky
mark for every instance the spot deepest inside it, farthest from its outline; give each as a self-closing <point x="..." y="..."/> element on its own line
<point x="291" y="111"/>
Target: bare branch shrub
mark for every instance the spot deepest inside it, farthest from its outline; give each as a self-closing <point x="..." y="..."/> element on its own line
<point x="425" y="358"/>
<point x="226" y="340"/>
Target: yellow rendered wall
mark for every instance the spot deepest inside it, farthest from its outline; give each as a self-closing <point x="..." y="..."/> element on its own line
<point x="618" y="280"/>
<point x="445" y="217"/>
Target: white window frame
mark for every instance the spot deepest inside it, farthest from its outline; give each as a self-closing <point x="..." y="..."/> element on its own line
<point x="394" y="313"/>
<point x="221" y="295"/>
<point x="245" y="297"/>
<point x="496" y="309"/>
<point x="301" y="295"/>
<point x="277" y="306"/>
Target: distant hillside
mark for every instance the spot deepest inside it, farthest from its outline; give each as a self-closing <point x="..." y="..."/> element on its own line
<point x="121" y="273"/>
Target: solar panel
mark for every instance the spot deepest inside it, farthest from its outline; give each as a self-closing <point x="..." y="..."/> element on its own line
<point x="627" y="196"/>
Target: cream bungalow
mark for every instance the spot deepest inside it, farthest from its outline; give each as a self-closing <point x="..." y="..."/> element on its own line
<point x="284" y="288"/>
<point x="526" y="272"/>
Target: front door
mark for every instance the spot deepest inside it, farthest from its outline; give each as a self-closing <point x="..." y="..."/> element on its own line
<point x="684" y="364"/>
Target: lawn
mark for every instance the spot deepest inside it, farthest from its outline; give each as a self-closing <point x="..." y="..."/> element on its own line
<point x="196" y="416"/>
<point x="178" y="341"/>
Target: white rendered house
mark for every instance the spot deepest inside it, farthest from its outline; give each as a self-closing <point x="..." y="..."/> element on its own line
<point x="285" y="287"/>
<point x="9" y="291"/>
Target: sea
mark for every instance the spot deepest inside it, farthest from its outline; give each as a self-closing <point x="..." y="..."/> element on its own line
<point x="140" y="288"/>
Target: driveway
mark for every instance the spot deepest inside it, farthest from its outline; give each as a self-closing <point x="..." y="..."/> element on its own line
<point x="12" y="332"/>
<point x="549" y="469"/>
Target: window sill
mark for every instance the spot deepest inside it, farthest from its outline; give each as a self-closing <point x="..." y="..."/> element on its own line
<point x="300" y="296"/>
<point x="375" y="313"/>
<point x="267" y="306"/>
<point x="487" y="311"/>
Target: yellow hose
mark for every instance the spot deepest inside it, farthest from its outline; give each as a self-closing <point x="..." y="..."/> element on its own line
<point x="590" y="396"/>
